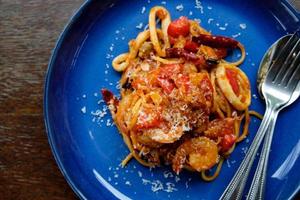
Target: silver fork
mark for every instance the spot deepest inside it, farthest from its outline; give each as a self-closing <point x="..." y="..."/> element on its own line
<point x="277" y="90"/>
<point x="257" y="188"/>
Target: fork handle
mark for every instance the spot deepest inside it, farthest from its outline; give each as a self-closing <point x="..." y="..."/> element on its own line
<point x="258" y="184"/>
<point x="236" y="186"/>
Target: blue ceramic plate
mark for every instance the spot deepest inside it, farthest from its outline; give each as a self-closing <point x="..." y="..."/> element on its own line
<point x="86" y="144"/>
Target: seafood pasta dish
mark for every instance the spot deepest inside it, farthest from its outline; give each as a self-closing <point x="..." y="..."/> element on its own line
<point x="181" y="103"/>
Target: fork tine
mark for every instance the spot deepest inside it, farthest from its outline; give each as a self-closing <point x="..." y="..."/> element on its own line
<point x="276" y="65"/>
<point x="292" y="65"/>
<point x="294" y="79"/>
<point x="286" y="68"/>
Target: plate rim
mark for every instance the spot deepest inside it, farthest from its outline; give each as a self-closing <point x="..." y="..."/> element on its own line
<point x="77" y="14"/>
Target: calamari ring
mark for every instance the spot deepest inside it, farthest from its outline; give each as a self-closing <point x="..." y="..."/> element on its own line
<point x="243" y="55"/>
<point x="239" y="101"/>
<point x="120" y="62"/>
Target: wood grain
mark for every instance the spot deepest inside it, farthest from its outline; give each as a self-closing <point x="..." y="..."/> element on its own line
<point x="28" y="32"/>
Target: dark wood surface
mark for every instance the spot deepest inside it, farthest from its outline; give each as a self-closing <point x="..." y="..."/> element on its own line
<point x="28" y="32"/>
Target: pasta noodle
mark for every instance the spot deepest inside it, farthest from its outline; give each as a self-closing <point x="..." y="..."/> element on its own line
<point x="165" y="18"/>
<point x="181" y="102"/>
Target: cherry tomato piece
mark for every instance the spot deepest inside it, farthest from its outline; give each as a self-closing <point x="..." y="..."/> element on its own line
<point x="166" y="84"/>
<point x="232" y="77"/>
<point x="168" y="70"/>
<point x="183" y="81"/>
<point x="179" y="27"/>
<point x="227" y="142"/>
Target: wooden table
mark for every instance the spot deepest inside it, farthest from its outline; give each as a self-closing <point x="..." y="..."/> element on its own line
<point x="28" y="32"/>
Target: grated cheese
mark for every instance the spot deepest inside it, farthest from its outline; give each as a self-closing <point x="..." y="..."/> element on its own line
<point x="109" y="56"/>
<point x="139" y="26"/>
<point x="244" y="150"/>
<point x="111" y="48"/>
<point x="179" y="7"/>
<point x="243" y="26"/>
<point x="99" y="114"/>
<point x="228" y="163"/>
<point x="108" y="123"/>
<point x="140" y="174"/>
<point x="197" y="20"/>
<point x="236" y="35"/>
<point x="157" y="185"/>
<point x="127" y="183"/>
<point x="187" y="183"/>
<point x="170" y="187"/>
<point x="118" y="85"/>
<point x="83" y="109"/>
<point x="168" y="174"/>
<point x="199" y="6"/>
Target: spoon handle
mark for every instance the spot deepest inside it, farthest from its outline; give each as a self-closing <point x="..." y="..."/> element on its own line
<point x="258" y="184"/>
<point x="236" y="186"/>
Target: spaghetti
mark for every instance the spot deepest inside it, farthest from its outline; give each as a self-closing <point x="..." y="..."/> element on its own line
<point x="182" y="104"/>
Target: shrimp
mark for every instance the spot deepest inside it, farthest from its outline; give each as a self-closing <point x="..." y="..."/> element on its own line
<point x="199" y="154"/>
<point x="220" y="128"/>
<point x="164" y="135"/>
<point x="152" y="125"/>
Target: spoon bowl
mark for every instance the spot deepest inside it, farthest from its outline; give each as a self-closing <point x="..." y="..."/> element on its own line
<point x="265" y="64"/>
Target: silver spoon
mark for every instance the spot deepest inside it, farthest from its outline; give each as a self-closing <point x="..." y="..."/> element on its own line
<point x="257" y="188"/>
